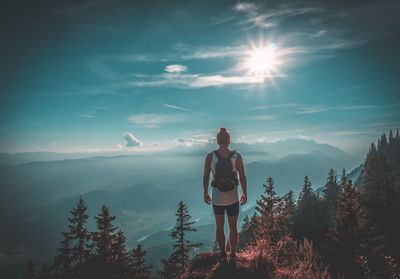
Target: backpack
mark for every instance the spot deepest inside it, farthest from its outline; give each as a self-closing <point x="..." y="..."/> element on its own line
<point x="225" y="178"/>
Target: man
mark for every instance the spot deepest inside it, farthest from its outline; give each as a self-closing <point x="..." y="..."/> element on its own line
<point x="225" y="164"/>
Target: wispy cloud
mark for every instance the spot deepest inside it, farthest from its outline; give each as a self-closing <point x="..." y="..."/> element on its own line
<point x="311" y="110"/>
<point x="187" y="52"/>
<point x="335" y="27"/>
<point x="349" y="133"/>
<point x="258" y="16"/>
<point x="263" y="117"/>
<point x="284" y="105"/>
<point x="193" y="141"/>
<point x="153" y="120"/>
<point x="317" y="109"/>
<point x="176" y="107"/>
<point x="90" y="114"/>
<point x="192" y="81"/>
<point x="93" y="112"/>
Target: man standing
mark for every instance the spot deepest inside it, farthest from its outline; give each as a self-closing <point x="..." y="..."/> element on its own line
<point x="225" y="165"/>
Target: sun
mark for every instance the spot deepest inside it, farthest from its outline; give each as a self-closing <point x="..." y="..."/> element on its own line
<point x="260" y="61"/>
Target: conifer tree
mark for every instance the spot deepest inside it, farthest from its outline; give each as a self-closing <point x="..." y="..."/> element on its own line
<point x="307" y="222"/>
<point x="271" y="222"/>
<point x="343" y="180"/>
<point x="289" y="208"/>
<point x="381" y="195"/>
<point x="80" y="236"/>
<point x="306" y="191"/>
<point x="119" y="255"/>
<point x="138" y="269"/>
<point x="330" y="195"/>
<point x="353" y="236"/>
<point x="179" y="259"/>
<point x="290" y="204"/>
<point x="63" y="260"/>
<point x="104" y="239"/>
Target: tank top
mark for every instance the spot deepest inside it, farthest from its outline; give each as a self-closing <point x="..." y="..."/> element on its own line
<point x="224" y="198"/>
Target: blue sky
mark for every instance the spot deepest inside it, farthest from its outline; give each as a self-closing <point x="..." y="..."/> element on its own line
<point x="130" y="76"/>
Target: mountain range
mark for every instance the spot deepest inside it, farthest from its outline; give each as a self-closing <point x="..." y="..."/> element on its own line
<point x="143" y="191"/>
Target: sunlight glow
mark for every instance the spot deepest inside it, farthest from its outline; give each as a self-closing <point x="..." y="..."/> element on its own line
<point x="261" y="61"/>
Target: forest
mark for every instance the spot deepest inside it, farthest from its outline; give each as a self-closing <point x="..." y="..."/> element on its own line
<point x="347" y="230"/>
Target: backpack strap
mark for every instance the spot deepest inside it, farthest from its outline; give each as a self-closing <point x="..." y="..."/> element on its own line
<point x="232" y="154"/>
<point x="217" y="154"/>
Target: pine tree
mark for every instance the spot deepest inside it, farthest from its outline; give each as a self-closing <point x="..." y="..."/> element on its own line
<point x="353" y="235"/>
<point x="343" y="180"/>
<point x="265" y="207"/>
<point x="62" y="265"/>
<point x="330" y="195"/>
<point x="179" y="259"/>
<point x="381" y="195"/>
<point x="289" y="208"/>
<point x="307" y="221"/>
<point x="103" y="237"/>
<point x="119" y="255"/>
<point x="272" y="219"/>
<point x="138" y="269"/>
<point x="103" y="240"/>
<point x="306" y="191"/>
<point x="290" y="204"/>
<point x="80" y="236"/>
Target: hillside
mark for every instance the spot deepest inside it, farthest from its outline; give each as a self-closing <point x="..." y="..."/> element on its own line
<point x="207" y="266"/>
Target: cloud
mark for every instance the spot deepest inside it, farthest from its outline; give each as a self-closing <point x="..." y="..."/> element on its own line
<point x="282" y="105"/>
<point x="211" y="52"/>
<point x="311" y="110"/>
<point x="131" y="140"/>
<point x="245" y="7"/>
<point x="317" y="109"/>
<point x="176" y="107"/>
<point x="153" y="120"/>
<point x="90" y="114"/>
<point x="194" y="81"/>
<point x="175" y="69"/>
<point x="335" y="27"/>
<point x="262" y="117"/>
<point x="193" y="141"/>
<point x="349" y="133"/>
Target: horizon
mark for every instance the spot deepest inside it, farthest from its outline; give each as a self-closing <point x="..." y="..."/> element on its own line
<point x="92" y="82"/>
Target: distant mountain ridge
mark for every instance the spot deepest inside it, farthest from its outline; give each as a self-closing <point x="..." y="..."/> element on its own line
<point x="275" y="150"/>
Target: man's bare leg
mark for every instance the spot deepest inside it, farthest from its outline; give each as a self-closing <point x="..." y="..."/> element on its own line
<point x="220" y="234"/>
<point x="233" y="234"/>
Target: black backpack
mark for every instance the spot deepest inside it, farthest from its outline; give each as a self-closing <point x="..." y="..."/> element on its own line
<point x="225" y="178"/>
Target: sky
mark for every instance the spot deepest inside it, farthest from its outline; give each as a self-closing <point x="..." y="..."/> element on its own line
<point x="142" y="76"/>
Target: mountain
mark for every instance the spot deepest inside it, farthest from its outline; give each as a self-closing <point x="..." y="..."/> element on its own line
<point x="142" y="191"/>
<point x="40" y="192"/>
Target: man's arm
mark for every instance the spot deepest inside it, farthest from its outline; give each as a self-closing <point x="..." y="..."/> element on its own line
<point x="242" y="178"/>
<point x="206" y="178"/>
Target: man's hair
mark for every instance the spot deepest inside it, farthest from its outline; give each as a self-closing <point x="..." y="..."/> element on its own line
<point x="223" y="136"/>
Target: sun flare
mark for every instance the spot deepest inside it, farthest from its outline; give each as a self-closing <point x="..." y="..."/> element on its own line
<point x="260" y="61"/>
